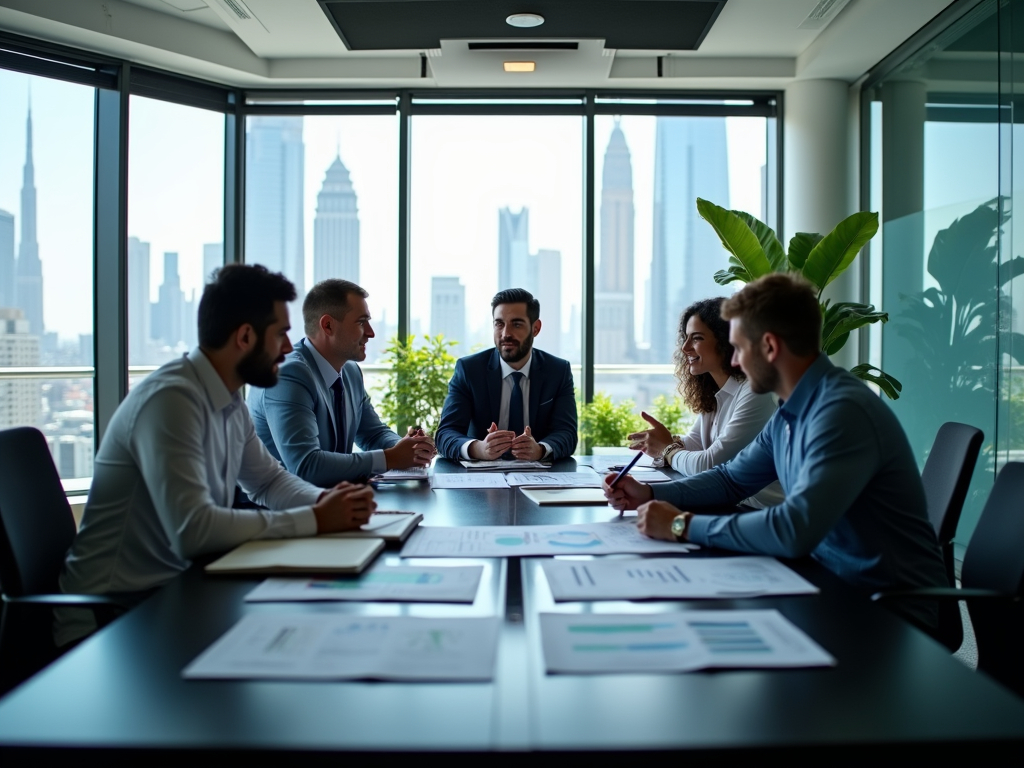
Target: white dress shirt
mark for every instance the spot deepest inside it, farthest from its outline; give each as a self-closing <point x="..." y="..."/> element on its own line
<point x="163" y="486"/>
<point x="718" y="436"/>
<point x="506" y="396"/>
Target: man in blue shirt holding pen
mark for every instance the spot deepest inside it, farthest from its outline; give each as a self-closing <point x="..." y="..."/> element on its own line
<point x="854" y="499"/>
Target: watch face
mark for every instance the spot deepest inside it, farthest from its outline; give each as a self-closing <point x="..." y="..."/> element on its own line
<point x="678" y="524"/>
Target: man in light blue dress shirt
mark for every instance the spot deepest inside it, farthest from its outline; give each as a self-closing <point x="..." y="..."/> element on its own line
<point x="854" y="499"/>
<point x="319" y="407"/>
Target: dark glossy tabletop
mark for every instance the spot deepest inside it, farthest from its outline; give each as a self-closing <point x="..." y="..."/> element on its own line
<point x="892" y="686"/>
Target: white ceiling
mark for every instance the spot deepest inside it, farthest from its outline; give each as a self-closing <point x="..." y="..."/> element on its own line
<point x="754" y="44"/>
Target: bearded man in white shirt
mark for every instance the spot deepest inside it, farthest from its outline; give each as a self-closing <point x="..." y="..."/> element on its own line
<point x="166" y="470"/>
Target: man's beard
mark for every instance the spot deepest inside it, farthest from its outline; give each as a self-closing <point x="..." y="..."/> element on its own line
<point x="761" y="374"/>
<point x="519" y="353"/>
<point x="257" y="368"/>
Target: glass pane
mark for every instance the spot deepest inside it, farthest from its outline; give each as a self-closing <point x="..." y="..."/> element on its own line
<point x="175" y="223"/>
<point x="46" y="265"/>
<point x="655" y="255"/>
<point x="496" y="203"/>
<point x="322" y="201"/>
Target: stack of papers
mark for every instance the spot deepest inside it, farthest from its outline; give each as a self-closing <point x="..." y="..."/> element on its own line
<point x="387" y="525"/>
<point x="319" y="555"/>
<point x="675" y="642"/>
<point x="670" y="577"/>
<point x="566" y="497"/>
<point x="407" y="583"/>
<point x="619" y="537"/>
<point x="399" y="475"/>
<point x="505" y="465"/>
<point x="322" y="646"/>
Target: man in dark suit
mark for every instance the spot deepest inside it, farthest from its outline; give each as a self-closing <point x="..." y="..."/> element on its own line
<point x="319" y="407"/>
<point x="512" y="401"/>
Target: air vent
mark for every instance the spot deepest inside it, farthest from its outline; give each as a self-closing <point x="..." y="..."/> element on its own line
<point x="822" y="14"/>
<point x="238" y="8"/>
<point x="537" y="45"/>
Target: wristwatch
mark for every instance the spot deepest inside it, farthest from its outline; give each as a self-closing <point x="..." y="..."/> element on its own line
<point x="670" y="450"/>
<point x="681" y="525"/>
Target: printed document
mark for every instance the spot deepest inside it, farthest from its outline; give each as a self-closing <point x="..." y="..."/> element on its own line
<point x="587" y="479"/>
<point x="407" y="583"/>
<point x="671" y="577"/>
<point x="469" y="480"/>
<point x="675" y="642"/>
<point x="325" y="646"/>
<point x="619" y="537"/>
<point x="505" y="465"/>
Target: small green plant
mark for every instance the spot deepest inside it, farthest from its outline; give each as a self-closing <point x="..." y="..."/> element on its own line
<point x="415" y="388"/>
<point x="756" y="251"/>
<point x="672" y="413"/>
<point x="603" y="422"/>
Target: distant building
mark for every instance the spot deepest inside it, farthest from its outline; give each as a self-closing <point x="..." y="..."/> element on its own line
<point x="336" y="227"/>
<point x="20" y="399"/>
<point x="690" y="161"/>
<point x="274" y="177"/>
<point x="140" y="332"/>
<point x="213" y="259"/>
<point x="448" y="310"/>
<point x="169" y="309"/>
<point x="72" y="455"/>
<point x="516" y="268"/>
<point x="614" y="302"/>
<point x="29" y="269"/>
<point x="8" y="297"/>
<point x="549" y="294"/>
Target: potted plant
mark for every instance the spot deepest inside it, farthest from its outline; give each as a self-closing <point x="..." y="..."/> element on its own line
<point x="414" y="389"/>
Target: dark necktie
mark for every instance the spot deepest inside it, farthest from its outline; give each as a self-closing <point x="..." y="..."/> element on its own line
<point x="515" y="406"/>
<point x="339" y="414"/>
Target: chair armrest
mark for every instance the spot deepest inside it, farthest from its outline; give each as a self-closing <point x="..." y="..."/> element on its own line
<point x="943" y="594"/>
<point x="104" y="608"/>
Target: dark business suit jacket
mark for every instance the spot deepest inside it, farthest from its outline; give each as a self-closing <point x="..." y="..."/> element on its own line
<point x="474" y="401"/>
<point x="296" y="421"/>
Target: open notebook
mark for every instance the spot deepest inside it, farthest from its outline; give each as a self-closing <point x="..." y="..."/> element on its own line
<point x="387" y="525"/>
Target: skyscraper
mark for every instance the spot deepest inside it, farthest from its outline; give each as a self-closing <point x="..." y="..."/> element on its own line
<point x="139" y="327"/>
<point x="336" y="227"/>
<point x="614" y="302"/>
<point x="515" y="267"/>
<point x="549" y="294"/>
<point x="690" y="161"/>
<point x="274" y="178"/>
<point x="29" y="270"/>
<point x="20" y="401"/>
<point x="213" y="259"/>
<point x="448" y="309"/>
<point x="7" y="273"/>
<point x="167" y="319"/>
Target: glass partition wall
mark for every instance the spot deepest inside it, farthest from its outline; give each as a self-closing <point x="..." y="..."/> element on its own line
<point x="431" y="201"/>
<point x="943" y="166"/>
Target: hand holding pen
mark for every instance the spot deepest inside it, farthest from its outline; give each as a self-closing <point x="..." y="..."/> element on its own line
<point x="623" y="492"/>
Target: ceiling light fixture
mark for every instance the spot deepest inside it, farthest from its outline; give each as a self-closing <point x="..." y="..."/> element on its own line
<point x="520" y="66"/>
<point x="524" y="20"/>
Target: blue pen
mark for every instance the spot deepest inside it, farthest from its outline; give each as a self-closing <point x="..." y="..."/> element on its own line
<point x="625" y="469"/>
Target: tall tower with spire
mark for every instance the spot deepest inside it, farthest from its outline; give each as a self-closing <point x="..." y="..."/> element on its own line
<point x="29" y="269"/>
<point x="614" y="302"/>
<point x="336" y="227"/>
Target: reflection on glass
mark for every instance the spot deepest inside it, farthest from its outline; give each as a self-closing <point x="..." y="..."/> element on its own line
<point x="175" y="223"/>
<point x="322" y="202"/>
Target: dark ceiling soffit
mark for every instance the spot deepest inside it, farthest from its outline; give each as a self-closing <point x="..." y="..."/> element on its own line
<point x="943" y="20"/>
<point x="657" y="25"/>
<point x="298" y="95"/>
<point x="35" y="57"/>
<point x="526" y="45"/>
<point x="320" y="109"/>
<point x="688" y="110"/>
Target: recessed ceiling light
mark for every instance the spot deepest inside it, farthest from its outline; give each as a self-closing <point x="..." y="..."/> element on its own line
<point x="524" y="20"/>
<point x="520" y="66"/>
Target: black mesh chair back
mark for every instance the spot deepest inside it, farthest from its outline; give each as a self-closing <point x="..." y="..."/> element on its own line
<point x="947" y="476"/>
<point x="994" y="560"/>
<point x="36" y="524"/>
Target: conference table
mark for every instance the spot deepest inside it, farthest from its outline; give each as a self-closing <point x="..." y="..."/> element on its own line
<point x="121" y="693"/>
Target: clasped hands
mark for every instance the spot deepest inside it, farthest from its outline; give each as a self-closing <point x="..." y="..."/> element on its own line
<point x="416" y="449"/>
<point x="501" y="441"/>
<point x="654" y="518"/>
<point x="344" y="507"/>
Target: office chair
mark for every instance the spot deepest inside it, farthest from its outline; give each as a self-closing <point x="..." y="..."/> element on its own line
<point x="36" y="531"/>
<point x="992" y="580"/>
<point x="946" y="477"/>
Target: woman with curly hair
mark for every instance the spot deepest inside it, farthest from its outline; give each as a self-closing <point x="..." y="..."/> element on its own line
<point x="729" y="414"/>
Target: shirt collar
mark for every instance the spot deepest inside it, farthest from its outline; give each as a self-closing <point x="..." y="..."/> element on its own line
<point x="327" y="371"/>
<point x="214" y="385"/>
<point x="730" y="388"/>
<point x="807" y="384"/>
<point x="507" y="369"/>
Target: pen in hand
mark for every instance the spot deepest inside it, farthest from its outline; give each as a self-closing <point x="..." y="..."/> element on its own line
<point x="622" y="474"/>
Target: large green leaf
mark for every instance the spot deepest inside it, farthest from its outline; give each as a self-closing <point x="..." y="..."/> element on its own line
<point x="842" y="318"/>
<point x="890" y="386"/>
<point x="837" y="250"/>
<point x="800" y="246"/>
<point x="769" y="242"/>
<point x="731" y="275"/>
<point x="737" y="238"/>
